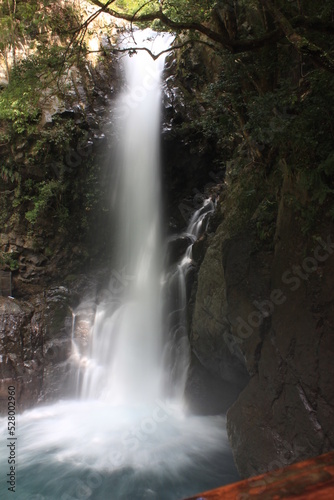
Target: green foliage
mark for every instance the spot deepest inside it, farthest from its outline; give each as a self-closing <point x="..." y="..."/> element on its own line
<point x="46" y="24"/>
<point x="63" y="19"/>
<point x="8" y="174"/>
<point x="266" y="220"/>
<point x="268" y="115"/>
<point x="9" y="260"/>
<point x="48" y="194"/>
<point x="308" y="146"/>
<point x="183" y="10"/>
<point x="19" y="101"/>
<point x="259" y="112"/>
<point x="42" y="192"/>
<point x="4" y="206"/>
<point x="52" y="144"/>
<point x="132" y="6"/>
<point x="36" y="19"/>
<point x="177" y="10"/>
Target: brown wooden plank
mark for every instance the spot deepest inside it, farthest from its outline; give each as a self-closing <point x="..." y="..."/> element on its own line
<point x="311" y="479"/>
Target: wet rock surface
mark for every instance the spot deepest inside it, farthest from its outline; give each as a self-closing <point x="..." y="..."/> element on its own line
<point x="270" y="314"/>
<point x="206" y="393"/>
<point x="284" y="414"/>
<point x="176" y="247"/>
<point x="21" y="347"/>
<point x="36" y="342"/>
<point x="210" y="322"/>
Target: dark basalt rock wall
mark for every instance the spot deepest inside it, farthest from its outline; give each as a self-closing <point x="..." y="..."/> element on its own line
<point x="21" y="346"/>
<point x="36" y="341"/>
<point x="284" y="413"/>
<point x="271" y="313"/>
<point x="35" y="344"/>
<point x="188" y="157"/>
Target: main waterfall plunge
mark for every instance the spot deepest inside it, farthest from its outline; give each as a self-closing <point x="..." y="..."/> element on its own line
<point x="127" y="435"/>
<point x="125" y="355"/>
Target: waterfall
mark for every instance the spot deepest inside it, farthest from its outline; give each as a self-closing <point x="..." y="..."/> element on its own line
<point x="124" y="360"/>
<point x="127" y="434"/>
<point x="129" y="360"/>
<point x="177" y="348"/>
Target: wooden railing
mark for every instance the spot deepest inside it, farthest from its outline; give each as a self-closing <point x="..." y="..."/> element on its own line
<point x="309" y="480"/>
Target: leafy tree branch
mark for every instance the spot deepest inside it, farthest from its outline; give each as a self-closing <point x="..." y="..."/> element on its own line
<point x="285" y="29"/>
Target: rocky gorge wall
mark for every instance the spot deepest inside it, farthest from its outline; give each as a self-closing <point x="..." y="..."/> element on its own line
<point x="271" y="313"/>
<point x="29" y="350"/>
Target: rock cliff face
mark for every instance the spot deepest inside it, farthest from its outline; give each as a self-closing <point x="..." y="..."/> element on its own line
<point x="35" y="346"/>
<point x="36" y="340"/>
<point x="46" y="215"/>
<point x="272" y="313"/>
<point x="21" y="343"/>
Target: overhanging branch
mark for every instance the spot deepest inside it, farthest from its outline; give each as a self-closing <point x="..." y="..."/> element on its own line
<point x="285" y="29"/>
<point x="234" y="46"/>
<point x="154" y="56"/>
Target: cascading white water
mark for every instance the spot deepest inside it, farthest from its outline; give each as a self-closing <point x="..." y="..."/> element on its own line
<point x="124" y="362"/>
<point x="124" y="437"/>
<point x="177" y="348"/>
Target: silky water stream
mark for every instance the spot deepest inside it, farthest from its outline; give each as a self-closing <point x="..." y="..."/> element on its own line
<point x="127" y="434"/>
